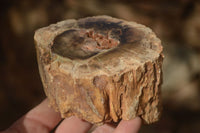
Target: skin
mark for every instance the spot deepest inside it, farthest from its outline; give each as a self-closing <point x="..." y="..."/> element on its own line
<point x="43" y="119"/>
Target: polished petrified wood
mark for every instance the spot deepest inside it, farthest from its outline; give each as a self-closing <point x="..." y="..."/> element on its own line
<point x="101" y="69"/>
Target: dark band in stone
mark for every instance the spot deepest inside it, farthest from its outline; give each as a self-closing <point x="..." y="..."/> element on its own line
<point x="93" y="35"/>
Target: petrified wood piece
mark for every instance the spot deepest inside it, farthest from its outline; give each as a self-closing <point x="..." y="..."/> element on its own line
<point x="101" y="69"/>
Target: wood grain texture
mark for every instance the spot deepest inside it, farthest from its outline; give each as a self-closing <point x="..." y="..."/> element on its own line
<point x="101" y="69"/>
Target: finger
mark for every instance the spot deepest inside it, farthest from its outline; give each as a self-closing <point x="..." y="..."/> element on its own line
<point x="44" y="115"/>
<point x="130" y="126"/>
<point x="40" y="119"/>
<point x="106" y="128"/>
<point x="73" y="125"/>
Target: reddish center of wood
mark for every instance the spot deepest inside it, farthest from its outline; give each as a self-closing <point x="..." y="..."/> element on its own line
<point x="103" y="42"/>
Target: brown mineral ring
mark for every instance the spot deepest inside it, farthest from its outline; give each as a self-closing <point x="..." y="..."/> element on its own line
<point x="101" y="69"/>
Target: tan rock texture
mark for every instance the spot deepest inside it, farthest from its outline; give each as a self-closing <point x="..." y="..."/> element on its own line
<point x="101" y="69"/>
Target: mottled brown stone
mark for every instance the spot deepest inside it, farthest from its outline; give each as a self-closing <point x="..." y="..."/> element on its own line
<point x="101" y="69"/>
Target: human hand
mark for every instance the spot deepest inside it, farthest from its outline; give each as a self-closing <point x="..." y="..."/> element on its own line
<point x="43" y="119"/>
